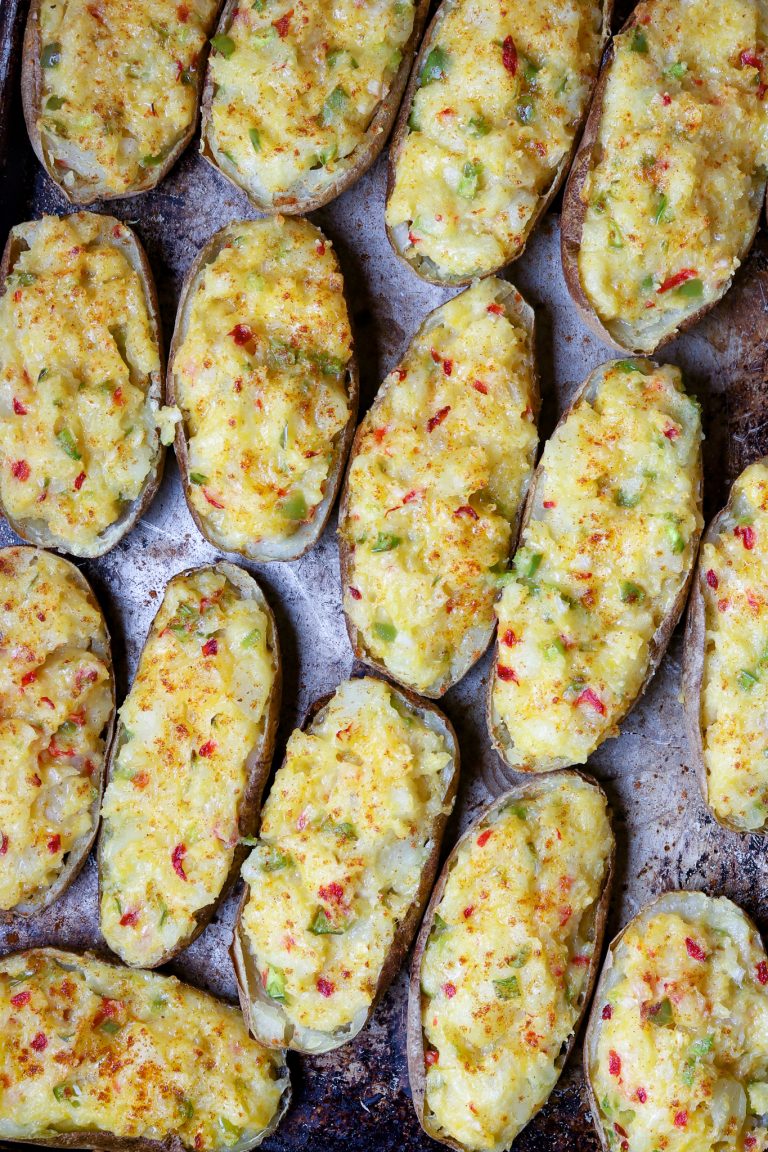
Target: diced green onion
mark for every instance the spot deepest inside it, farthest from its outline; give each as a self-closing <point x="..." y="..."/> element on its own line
<point x="294" y="507"/>
<point x="435" y="66"/>
<point x="747" y="680"/>
<point x="323" y="926"/>
<point x="470" y="175"/>
<point x="385" y="542"/>
<point x="335" y="103"/>
<point x="478" y="126"/>
<point x="508" y="988"/>
<point x="691" y="289"/>
<point x="626" y="499"/>
<point x="255" y="138"/>
<point x="631" y="593"/>
<point x="639" y="41"/>
<point x="661" y="208"/>
<point x="385" y="632"/>
<point x="526" y="112"/>
<point x="67" y="442"/>
<point x="252" y="639"/>
<point x="54" y="103"/>
<point x="275" y="984"/>
<point x="198" y="478"/>
<point x="51" y="57"/>
<point x="224" y="45"/>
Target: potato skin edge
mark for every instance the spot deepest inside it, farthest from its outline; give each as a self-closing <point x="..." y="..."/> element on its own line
<point x="519" y="311"/>
<point x="414" y="1035"/>
<point x="259" y="757"/>
<point x="295" y="546"/>
<point x="407" y="927"/>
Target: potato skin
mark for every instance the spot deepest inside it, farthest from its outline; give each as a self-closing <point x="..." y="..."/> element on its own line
<point x="518" y="311"/>
<point x="307" y="536"/>
<point x="374" y="141"/>
<point x="416" y="1073"/>
<point x="31" y="96"/>
<point x="401" y="131"/>
<point x="574" y="211"/>
<point x="79" y="853"/>
<point x="259" y="758"/>
<point x="107" y="1141"/>
<point x="130" y="245"/>
<point x="660" y="640"/>
<point x="407" y="928"/>
<point x="693" y="665"/>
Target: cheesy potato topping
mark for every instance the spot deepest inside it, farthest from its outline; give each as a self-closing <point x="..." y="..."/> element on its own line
<point x="296" y="85"/>
<point x="735" y="680"/>
<point x="500" y="97"/>
<point x="261" y="379"/>
<point x="679" y="1061"/>
<point x="345" y="835"/>
<point x="197" y="709"/>
<point x="78" y="435"/>
<point x="88" y="1046"/>
<point x="506" y="964"/>
<point x="602" y="561"/>
<point x="676" y="192"/>
<point x="442" y="463"/>
<point x="56" y="701"/>
<point x="119" y="86"/>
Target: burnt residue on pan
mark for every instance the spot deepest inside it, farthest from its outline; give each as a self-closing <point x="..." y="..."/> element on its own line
<point x="356" y="1099"/>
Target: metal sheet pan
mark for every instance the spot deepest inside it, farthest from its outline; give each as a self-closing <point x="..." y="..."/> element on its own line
<point x="357" y="1098"/>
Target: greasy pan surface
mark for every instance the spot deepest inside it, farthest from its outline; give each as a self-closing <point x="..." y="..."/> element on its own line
<point x="357" y="1099"/>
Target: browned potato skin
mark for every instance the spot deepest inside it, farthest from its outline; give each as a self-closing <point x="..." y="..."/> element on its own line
<point x="520" y="312"/>
<point x="694" y="647"/>
<point x="659" y="642"/>
<point x="308" y="535"/>
<point x="407" y="928"/>
<point x="401" y="131"/>
<point x="575" y="210"/>
<point x="259" y="758"/>
<point x="107" y="1141"/>
<point x="31" y="96"/>
<point x="359" y="161"/>
<point x="415" y="1038"/>
<point x="79" y="852"/>
<point x="130" y="245"/>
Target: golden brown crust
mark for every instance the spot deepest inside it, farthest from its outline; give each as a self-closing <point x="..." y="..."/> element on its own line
<point x="31" y="96"/>
<point x="659" y="641"/>
<point x="107" y="1141"/>
<point x="694" y="648"/>
<point x="78" y="854"/>
<point x="119" y="235"/>
<point x="519" y="312"/>
<point x="360" y="160"/>
<point x="575" y="209"/>
<point x="307" y="536"/>
<point x="401" y="131"/>
<point x="415" y="1037"/>
<point x="406" y="929"/>
<point x="259" y="760"/>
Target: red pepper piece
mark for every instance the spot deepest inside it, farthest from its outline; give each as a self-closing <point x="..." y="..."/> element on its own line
<point x="177" y="858"/>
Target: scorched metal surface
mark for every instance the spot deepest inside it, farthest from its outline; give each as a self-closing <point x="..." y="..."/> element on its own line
<point x="357" y="1098"/>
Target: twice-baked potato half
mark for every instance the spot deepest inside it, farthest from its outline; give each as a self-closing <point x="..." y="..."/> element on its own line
<point x="346" y="857"/>
<point x="299" y="97"/>
<point x="489" y="123"/>
<point x="57" y="707"/>
<point x="431" y="505"/>
<point x="98" y="1056"/>
<point x="82" y="431"/>
<point x="725" y="657"/>
<point x="111" y="90"/>
<point x="608" y="545"/>
<point x="262" y="367"/>
<point x="674" y="1055"/>
<point x="192" y="752"/>
<point x="665" y="194"/>
<point x="506" y="959"/>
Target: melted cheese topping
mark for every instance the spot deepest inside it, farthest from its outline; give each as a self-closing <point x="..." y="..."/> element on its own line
<point x="601" y="564"/>
<point x="297" y="85"/>
<point x="442" y="464"/>
<point x="501" y="94"/>
<point x="119" y="86"/>
<point x="680" y="1061"/>
<point x="675" y="197"/>
<point x="735" y="679"/>
<point x="78" y="435"/>
<point x="56" y="700"/>
<point x="197" y="709"/>
<point x="507" y="961"/>
<point x="345" y="835"/>
<point x="88" y="1046"/>
<point x="261" y="378"/>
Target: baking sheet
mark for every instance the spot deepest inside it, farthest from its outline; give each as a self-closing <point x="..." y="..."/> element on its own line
<point x="357" y="1098"/>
